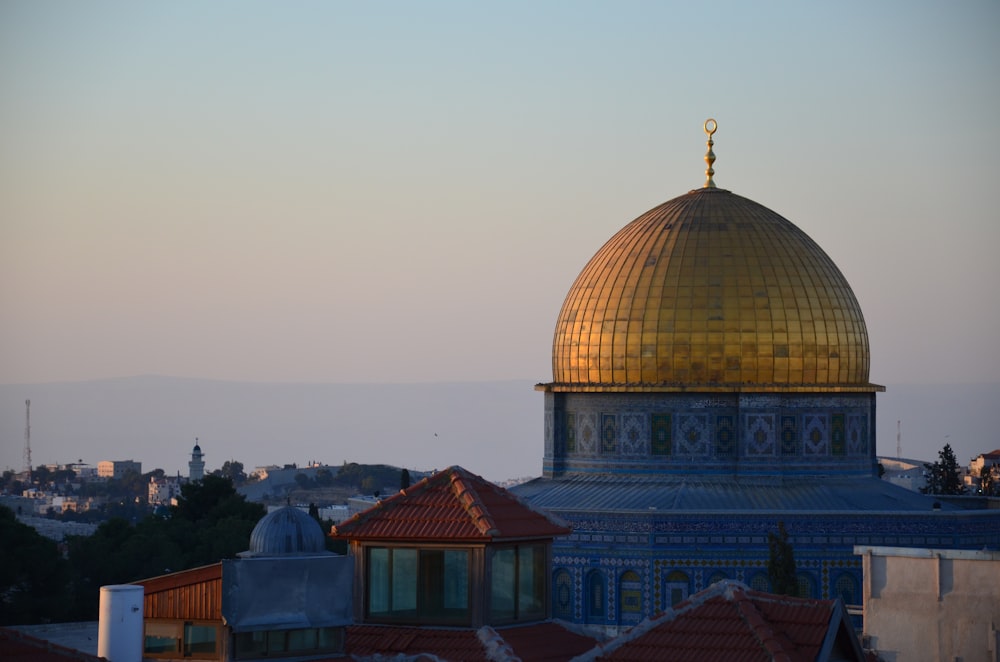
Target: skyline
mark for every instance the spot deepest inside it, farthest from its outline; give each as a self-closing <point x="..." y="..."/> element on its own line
<point x="396" y="193"/>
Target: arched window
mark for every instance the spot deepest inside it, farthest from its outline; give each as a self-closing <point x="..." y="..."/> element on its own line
<point x="716" y="577"/>
<point x="760" y="582"/>
<point x="630" y="597"/>
<point x="676" y="587"/>
<point x="562" y="604"/>
<point x="805" y="586"/>
<point x="846" y="588"/>
<point x="596" y="594"/>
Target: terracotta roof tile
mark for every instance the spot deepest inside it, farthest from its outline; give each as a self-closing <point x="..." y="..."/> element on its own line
<point x="729" y="622"/>
<point x="19" y="647"/>
<point x="451" y="505"/>
<point x="538" y="642"/>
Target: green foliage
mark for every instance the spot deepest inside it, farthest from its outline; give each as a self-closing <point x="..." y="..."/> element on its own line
<point x="944" y="476"/>
<point x="33" y="575"/>
<point x="210" y="522"/>
<point x="232" y="470"/>
<point x="781" y="563"/>
<point x="988" y="480"/>
<point x="367" y="478"/>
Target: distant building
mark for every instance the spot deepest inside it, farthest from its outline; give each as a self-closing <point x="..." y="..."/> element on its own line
<point x="990" y="461"/>
<point x="931" y="604"/>
<point x="162" y="491"/>
<point x="196" y="467"/>
<point x="117" y="468"/>
<point x="910" y="474"/>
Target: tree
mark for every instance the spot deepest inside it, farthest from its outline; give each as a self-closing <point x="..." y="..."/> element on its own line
<point x="987" y="481"/>
<point x="944" y="476"/>
<point x="781" y="563"/>
<point x="232" y="470"/>
<point x="33" y="575"/>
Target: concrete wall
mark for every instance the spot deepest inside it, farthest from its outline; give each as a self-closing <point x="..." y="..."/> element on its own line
<point x="931" y="604"/>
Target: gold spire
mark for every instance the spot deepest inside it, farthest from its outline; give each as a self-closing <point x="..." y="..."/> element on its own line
<point x="710" y="127"/>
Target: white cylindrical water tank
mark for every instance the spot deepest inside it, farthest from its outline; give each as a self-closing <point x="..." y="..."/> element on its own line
<point x="119" y="631"/>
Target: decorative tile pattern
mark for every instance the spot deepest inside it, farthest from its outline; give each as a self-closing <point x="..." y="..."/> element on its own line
<point x="789" y="436"/>
<point x="570" y="432"/>
<point x="661" y="434"/>
<point x="838" y="435"/>
<point x="857" y="434"/>
<point x="817" y="434"/>
<point x="759" y="435"/>
<point x="692" y="437"/>
<point x="725" y="436"/>
<point x="586" y="441"/>
<point x="609" y="434"/>
<point x="634" y="436"/>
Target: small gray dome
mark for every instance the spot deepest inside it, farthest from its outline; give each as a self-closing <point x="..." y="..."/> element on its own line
<point x="287" y="530"/>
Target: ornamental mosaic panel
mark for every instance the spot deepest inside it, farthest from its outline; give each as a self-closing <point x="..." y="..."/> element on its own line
<point x="661" y="436"/>
<point x="857" y="434"/>
<point x="633" y="434"/>
<point x="692" y="434"/>
<point x="548" y="435"/>
<point x="789" y="436"/>
<point x="570" y="432"/>
<point x="816" y="430"/>
<point x="562" y="606"/>
<point x="725" y="436"/>
<point x="586" y="437"/>
<point x="609" y="434"/>
<point x="838" y="435"/>
<point x="759" y="435"/>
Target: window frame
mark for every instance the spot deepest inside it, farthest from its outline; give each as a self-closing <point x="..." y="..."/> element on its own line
<point x="540" y="595"/>
<point x="424" y="611"/>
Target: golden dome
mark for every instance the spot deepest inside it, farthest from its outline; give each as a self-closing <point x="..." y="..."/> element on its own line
<point x="710" y="291"/>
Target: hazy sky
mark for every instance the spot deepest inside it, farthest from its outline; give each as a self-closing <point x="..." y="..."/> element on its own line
<point x="404" y="191"/>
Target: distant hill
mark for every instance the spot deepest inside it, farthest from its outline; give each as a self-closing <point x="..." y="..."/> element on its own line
<point x="491" y="428"/>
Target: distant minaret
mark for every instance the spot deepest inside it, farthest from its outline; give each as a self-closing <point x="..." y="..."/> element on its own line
<point x="196" y="467"/>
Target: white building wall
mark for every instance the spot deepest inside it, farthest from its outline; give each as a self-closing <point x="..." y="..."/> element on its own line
<point x="931" y="604"/>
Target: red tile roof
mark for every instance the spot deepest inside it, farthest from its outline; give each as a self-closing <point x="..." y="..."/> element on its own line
<point x="19" y="647"/>
<point x="728" y="621"/>
<point x="539" y="642"/>
<point x="453" y="505"/>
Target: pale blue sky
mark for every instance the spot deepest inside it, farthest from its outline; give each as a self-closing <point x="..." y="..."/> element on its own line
<point x="390" y="191"/>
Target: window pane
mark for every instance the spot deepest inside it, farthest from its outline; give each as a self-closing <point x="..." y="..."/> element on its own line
<point x="330" y="639"/>
<point x="531" y="582"/>
<point x="302" y="640"/>
<point x="404" y="580"/>
<point x="162" y="637"/>
<point x="199" y="639"/>
<point x="456" y="579"/>
<point x="378" y="581"/>
<point x="502" y="586"/>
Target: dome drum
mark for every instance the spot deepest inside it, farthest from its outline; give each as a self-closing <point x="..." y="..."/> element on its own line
<point x="710" y="433"/>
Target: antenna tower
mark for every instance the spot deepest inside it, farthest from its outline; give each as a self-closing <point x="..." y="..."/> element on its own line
<point x="899" y="439"/>
<point x="27" y="438"/>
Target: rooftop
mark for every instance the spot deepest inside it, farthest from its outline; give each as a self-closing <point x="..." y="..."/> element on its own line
<point x="728" y="621"/>
<point x="451" y="505"/>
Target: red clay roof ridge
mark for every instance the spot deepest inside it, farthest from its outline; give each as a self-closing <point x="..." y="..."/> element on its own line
<point x="494" y="646"/>
<point x="759" y="625"/>
<point x="465" y="491"/>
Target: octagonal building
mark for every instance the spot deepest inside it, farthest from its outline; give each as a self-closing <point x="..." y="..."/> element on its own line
<point x="710" y="380"/>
